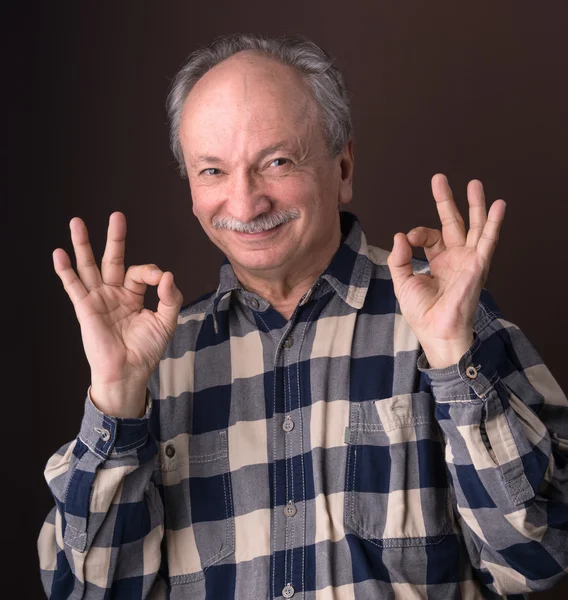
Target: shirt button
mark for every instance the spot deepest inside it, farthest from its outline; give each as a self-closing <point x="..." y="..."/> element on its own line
<point x="290" y="509"/>
<point x="471" y="372"/>
<point x="288" y="424"/>
<point x="105" y="435"/>
<point x="288" y="342"/>
<point x="170" y="450"/>
<point x="287" y="591"/>
<point x="254" y="303"/>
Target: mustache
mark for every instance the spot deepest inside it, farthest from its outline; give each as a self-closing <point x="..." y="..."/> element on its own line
<point x="261" y="223"/>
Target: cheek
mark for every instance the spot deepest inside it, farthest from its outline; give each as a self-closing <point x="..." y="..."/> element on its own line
<point x="204" y="202"/>
<point x="294" y="191"/>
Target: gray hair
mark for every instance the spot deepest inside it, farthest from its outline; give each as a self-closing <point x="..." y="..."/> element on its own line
<point x="317" y="67"/>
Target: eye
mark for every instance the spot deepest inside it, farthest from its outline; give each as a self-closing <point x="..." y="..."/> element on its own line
<point x="282" y="162"/>
<point x="210" y="171"/>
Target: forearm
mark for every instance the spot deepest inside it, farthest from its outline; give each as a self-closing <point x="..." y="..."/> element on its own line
<point x="105" y="497"/>
<point x="504" y="418"/>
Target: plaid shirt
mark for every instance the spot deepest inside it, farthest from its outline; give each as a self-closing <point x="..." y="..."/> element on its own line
<point x="318" y="458"/>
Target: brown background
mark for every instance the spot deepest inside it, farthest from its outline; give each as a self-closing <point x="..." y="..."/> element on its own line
<point x="473" y="90"/>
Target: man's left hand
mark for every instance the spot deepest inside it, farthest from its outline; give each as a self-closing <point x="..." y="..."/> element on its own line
<point x="440" y="307"/>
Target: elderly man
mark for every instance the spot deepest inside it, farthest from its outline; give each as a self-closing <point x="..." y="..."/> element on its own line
<point x="334" y="421"/>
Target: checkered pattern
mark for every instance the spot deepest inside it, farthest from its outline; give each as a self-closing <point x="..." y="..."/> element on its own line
<point x="318" y="458"/>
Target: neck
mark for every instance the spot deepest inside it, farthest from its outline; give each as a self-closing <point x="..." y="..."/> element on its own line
<point x="283" y="290"/>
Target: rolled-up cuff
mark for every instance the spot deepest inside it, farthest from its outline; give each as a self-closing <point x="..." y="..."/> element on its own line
<point x="105" y="435"/>
<point x="472" y="377"/>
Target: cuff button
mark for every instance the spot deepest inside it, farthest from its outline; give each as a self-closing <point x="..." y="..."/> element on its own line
<point x="471" y="372"/>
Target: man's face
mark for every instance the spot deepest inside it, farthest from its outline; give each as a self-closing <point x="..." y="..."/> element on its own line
<point x="254" y="147"/>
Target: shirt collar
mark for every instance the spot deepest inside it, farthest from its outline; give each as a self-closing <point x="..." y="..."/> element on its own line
<point x="348" y="273"/>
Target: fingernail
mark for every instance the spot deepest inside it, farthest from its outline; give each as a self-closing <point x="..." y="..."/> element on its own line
<point x="156" y="272"/>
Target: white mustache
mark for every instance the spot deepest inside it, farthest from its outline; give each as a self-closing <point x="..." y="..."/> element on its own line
<point x="263" y="222"/>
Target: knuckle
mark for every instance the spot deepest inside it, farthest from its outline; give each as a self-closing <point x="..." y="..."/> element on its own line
<point x="113" y="260"/>
<point x="68" y="285"/>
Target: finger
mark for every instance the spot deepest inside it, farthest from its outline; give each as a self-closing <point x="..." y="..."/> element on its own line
<point x="71" y="282"/>
<point x="112" y="266"/>
<point x="399" y="262"/>
<point x="477" y="212"/>
<point x="171" y="300"/>
<point x="138" y="277"/>
<point x="86" y="265"/>
<point x="429" y="239"/>
<point x="490" y="236"/>
<point x="453" y="226"/>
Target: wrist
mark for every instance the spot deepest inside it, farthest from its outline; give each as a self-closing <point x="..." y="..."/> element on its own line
<point x="120" y="401"/>
<point x="445" y="353"/>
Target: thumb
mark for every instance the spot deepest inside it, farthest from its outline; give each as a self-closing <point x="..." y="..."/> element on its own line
<point x="171" y="300"/>
<point x="399" y="261"/>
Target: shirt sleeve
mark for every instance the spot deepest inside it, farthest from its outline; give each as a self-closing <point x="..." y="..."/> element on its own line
<point x="106" y="527"/>
<point x="505" y="423"/>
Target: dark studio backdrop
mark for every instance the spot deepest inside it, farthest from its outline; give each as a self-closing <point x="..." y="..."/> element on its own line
<point x="470" y="89"/>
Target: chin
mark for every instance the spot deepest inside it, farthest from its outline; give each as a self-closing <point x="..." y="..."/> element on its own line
<point x="263" y="262"/>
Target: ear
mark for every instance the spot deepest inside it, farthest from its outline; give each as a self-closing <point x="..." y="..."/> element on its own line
<point x="346" y="169"/>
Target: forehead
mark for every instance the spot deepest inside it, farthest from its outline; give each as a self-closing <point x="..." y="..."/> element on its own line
<point x="247" y="98"/>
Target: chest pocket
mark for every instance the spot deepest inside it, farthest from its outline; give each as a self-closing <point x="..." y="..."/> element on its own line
<point x="396" y="486"/>
<point x="199" y="516"/>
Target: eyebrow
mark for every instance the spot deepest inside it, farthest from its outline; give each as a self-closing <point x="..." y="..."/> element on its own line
<point x="206" y="158"/>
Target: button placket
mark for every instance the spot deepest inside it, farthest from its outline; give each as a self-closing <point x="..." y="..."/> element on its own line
<point x="292" y="472"/>
<point x="289" y="509"/>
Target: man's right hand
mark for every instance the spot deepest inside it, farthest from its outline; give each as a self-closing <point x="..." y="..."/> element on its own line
<point x="124" y="342"/>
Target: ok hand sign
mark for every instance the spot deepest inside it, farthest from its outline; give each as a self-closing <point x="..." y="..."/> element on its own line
<point x="440" y="307"/>
<point x="123" y="341"/>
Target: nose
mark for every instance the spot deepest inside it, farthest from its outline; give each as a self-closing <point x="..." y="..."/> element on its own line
<point x="246" y="197"/>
